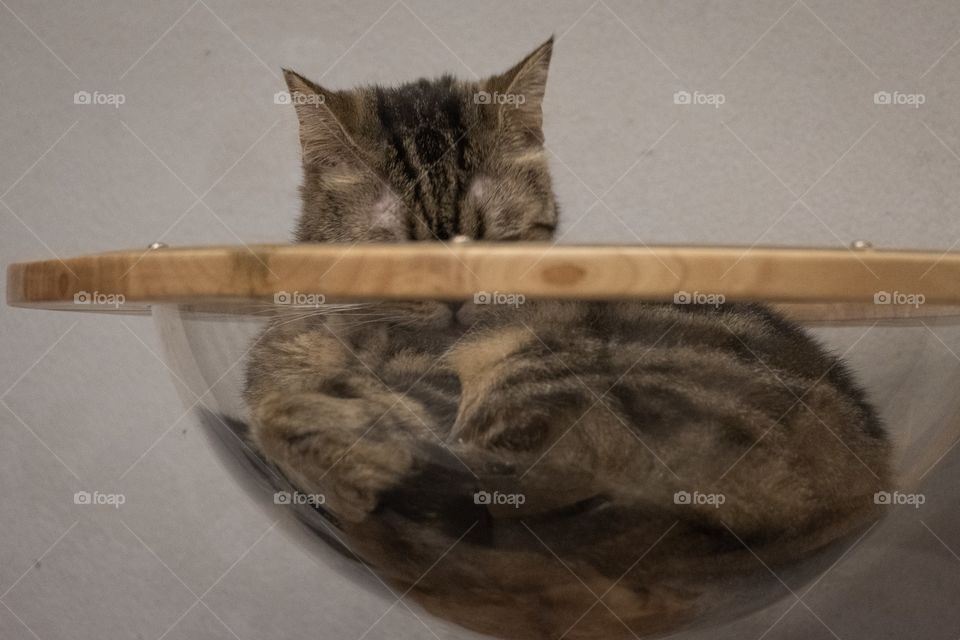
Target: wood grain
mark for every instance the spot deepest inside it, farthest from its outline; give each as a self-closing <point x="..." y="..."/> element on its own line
<point x="822" y="283"/>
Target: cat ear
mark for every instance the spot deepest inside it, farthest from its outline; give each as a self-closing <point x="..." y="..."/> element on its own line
<point x="520" y="96"/>
<point x="325" y="118"/>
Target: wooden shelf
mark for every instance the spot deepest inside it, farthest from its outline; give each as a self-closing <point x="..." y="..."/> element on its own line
<point x="838" y="283"/>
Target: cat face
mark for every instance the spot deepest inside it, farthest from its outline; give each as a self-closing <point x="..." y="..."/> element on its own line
<point x="427" y="160"/>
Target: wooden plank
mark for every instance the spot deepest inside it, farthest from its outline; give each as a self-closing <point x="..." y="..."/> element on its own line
<point x="917" y="282"/>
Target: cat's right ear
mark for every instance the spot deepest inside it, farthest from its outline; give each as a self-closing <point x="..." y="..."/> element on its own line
<point x="325" y="118"/>
<point x="522" y="88"/>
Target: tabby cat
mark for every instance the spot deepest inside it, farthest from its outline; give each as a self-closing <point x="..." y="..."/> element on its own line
<point x="555" y="469"/>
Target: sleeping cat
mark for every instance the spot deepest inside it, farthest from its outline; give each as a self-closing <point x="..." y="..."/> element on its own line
<point x="558" y="469"/>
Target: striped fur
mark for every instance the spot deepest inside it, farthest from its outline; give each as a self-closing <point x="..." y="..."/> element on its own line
<point x="428" y="160"/>
<point x="598" y="414"/>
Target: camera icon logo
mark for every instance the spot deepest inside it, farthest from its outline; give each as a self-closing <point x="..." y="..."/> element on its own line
<point x="82" y="297"/>
<point x="882" y="297"/>
<point x="681" y="497"/>
<point x="481" y="297"/>
<point x="482" y="97"/>
<point x="882" y="97"/>
<point x="82" y="97"/>
<point x="282" y="97"/>
<point x="281" y="297"/>
<point x="482" y="497"/>
<point x="281" y="497"/>
<point x="882" y="497"/>
<point x="82" y="497"/>
<point x="682" y="97"/>
<point x="681" y="297"/>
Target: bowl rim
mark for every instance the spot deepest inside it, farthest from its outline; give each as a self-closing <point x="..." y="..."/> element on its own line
<point x="131" y="281"/>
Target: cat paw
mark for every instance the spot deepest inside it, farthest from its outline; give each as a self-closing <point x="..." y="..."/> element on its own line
<point x="350" y="450"/>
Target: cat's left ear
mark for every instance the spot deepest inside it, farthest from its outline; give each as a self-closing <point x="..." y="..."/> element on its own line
<point x="326" y="118"/>
<point x="519" y="92"/>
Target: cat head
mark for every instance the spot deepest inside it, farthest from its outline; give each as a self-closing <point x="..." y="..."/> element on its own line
<point x="427" y="160"/>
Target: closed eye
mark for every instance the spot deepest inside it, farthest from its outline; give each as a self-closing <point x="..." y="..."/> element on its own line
<point x="544" y="226"/>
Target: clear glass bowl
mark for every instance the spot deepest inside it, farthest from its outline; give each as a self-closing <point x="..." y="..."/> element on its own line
<point x="484" y="553"/>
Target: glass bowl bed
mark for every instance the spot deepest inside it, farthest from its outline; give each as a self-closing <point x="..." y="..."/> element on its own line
<point x="528" y="547"/>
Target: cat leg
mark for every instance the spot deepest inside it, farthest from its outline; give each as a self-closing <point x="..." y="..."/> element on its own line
<point x="350" y="450"/>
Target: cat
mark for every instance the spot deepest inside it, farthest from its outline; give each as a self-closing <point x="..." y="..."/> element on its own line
<point x="578" y="469"/>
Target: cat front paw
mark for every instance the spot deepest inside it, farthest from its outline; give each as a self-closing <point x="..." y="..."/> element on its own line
<point x="350" y="450"/>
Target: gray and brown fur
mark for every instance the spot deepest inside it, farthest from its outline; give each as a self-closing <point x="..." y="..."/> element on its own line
<point x="598" y="413"/>
<point x="427" y="160"/>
